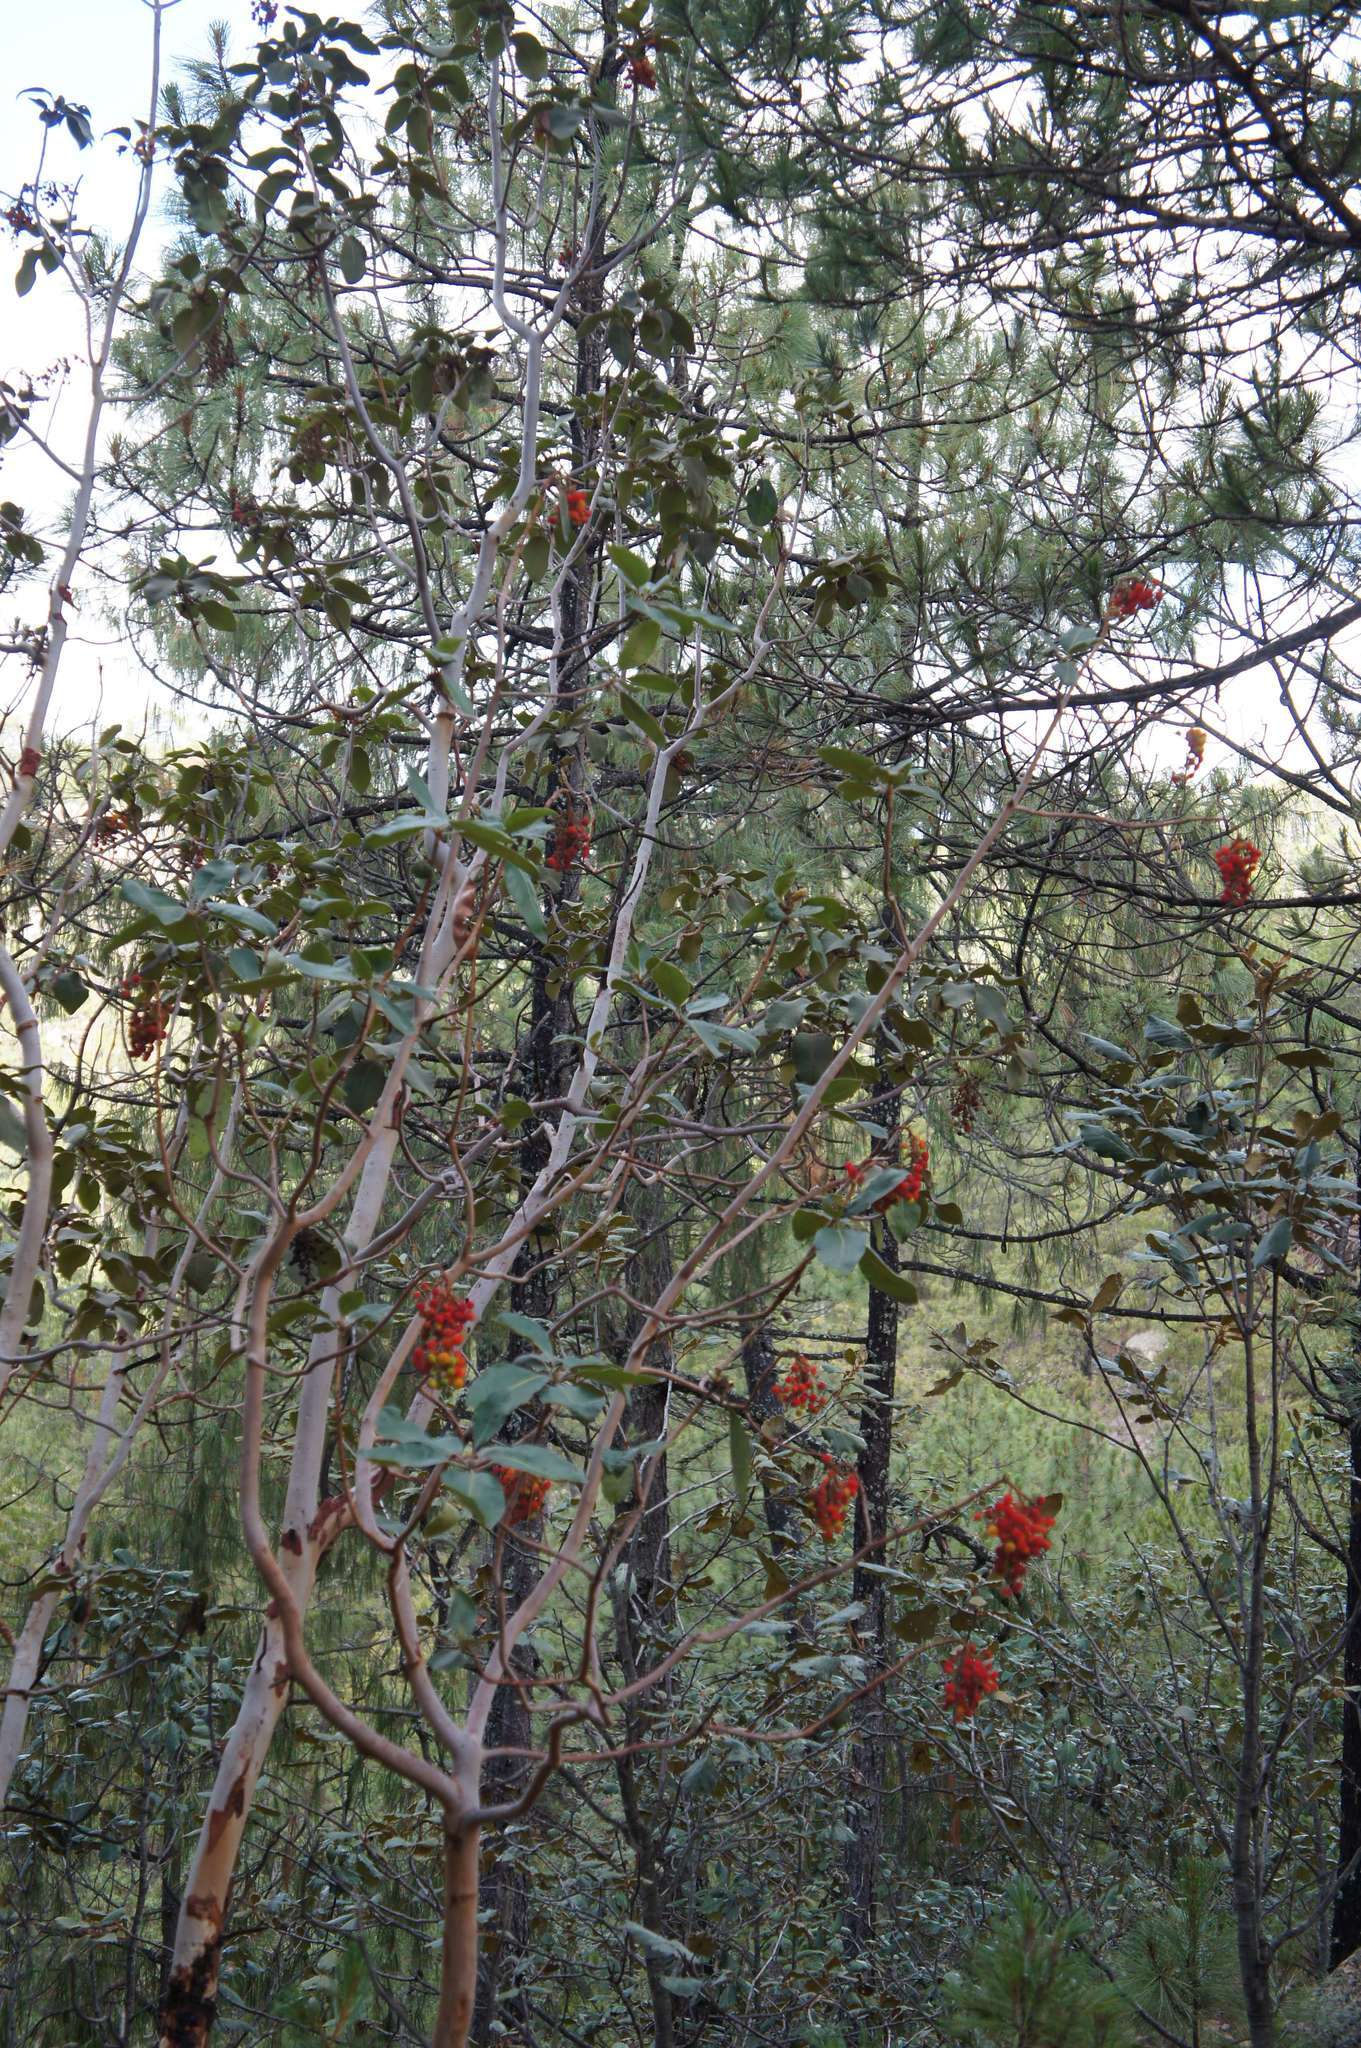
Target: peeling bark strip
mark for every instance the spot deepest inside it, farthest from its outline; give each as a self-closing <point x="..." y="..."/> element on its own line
<point x="220" y="1816"/>
<point x="191" y="1995"/>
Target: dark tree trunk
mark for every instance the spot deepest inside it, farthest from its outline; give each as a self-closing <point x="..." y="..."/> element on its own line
<point x="868" y="1755"/>
<point x="645" y="1620"/>
<point x="1345" y="1935"/>
<point x="760" y="1370"/>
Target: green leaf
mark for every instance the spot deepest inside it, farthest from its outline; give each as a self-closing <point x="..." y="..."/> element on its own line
<point x="532" y="1332"/>
<point x="640" y="643"/>
<point x="540" y="1460"/>
<point x="631" y="567"/>
<point x="762" y="503"/>
<point x="813" y="1052"/>
<point x="881" y="1275"/>
<point x="670" y="980"/>
<point x="480" y="1491"/>
<point x="352" y="259"/>
<point x="496" y="1393"/>
<point x="406" y="1445"/>
<point x="840" y="1247"/>
<point x="644" y="720"/>
<point x="69" y="990"/>
<point x="154" y="902"/>
<point x="531" y="58"/>
<point x="364" y="1085"/>
<point x="1162" y="1032"/>
<point x="525" y="897"/>
<point x="1274" y="1244"/>
<point x="1105" y="1143"/>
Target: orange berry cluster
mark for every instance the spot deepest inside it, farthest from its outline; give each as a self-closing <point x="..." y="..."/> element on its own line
<point x="802" y="1386"/>
<point x="831" y="1498"/>
<point x="571" y="840"/>
<point x="578" y="508"/>
<point x="913" y="1183"/>
<point x="110" y="825"/>
<point x="1237" y="864"/>
<point x="439" y="1356"/>
<point x="969" y="1678"/>
<point x="965" y="1103"/>
<point x="1195" y="754"/>
<point x="1133" y="594"/>
<point x="525" y="1494"/>
<point x="643" y="73"/>
<point x="1020" y="1529"/>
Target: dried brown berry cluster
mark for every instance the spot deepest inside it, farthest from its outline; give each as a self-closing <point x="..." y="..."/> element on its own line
<point x="149" y="1022"/>
<point x="965" y="1104"/>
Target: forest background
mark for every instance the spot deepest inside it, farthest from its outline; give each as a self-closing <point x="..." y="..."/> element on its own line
<point x="678" y="1356"/>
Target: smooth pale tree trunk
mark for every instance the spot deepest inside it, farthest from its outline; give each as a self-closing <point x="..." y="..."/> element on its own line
<point x="459" y="1944"/>
<point x="190" y="2001"/>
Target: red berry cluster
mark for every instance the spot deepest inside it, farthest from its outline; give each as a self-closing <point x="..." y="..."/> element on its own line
<point x="831" y="1498"/>
<point x="150" y="1021"/>
<point x="20" y="219"/>
<point x="969" y="1678"/>
<point x="28" y="761"/>
<point x="525" y="1494"/>
<point x="1020" y="1529"/>
<point x="802" y="1386"/>
<point x="571" y="840"/>
<point x="1237" y="864"/>
<point x="913" y="1183"/>
<point x="445" y="1317"/>
<point x="965" y="1104"/>
<point x="578" y="508"/>
<point x="1133" y="594"/>
<point x="643" y="73"/>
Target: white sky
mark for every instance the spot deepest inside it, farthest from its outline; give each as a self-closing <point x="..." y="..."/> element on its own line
<point x="96" y="53"/>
